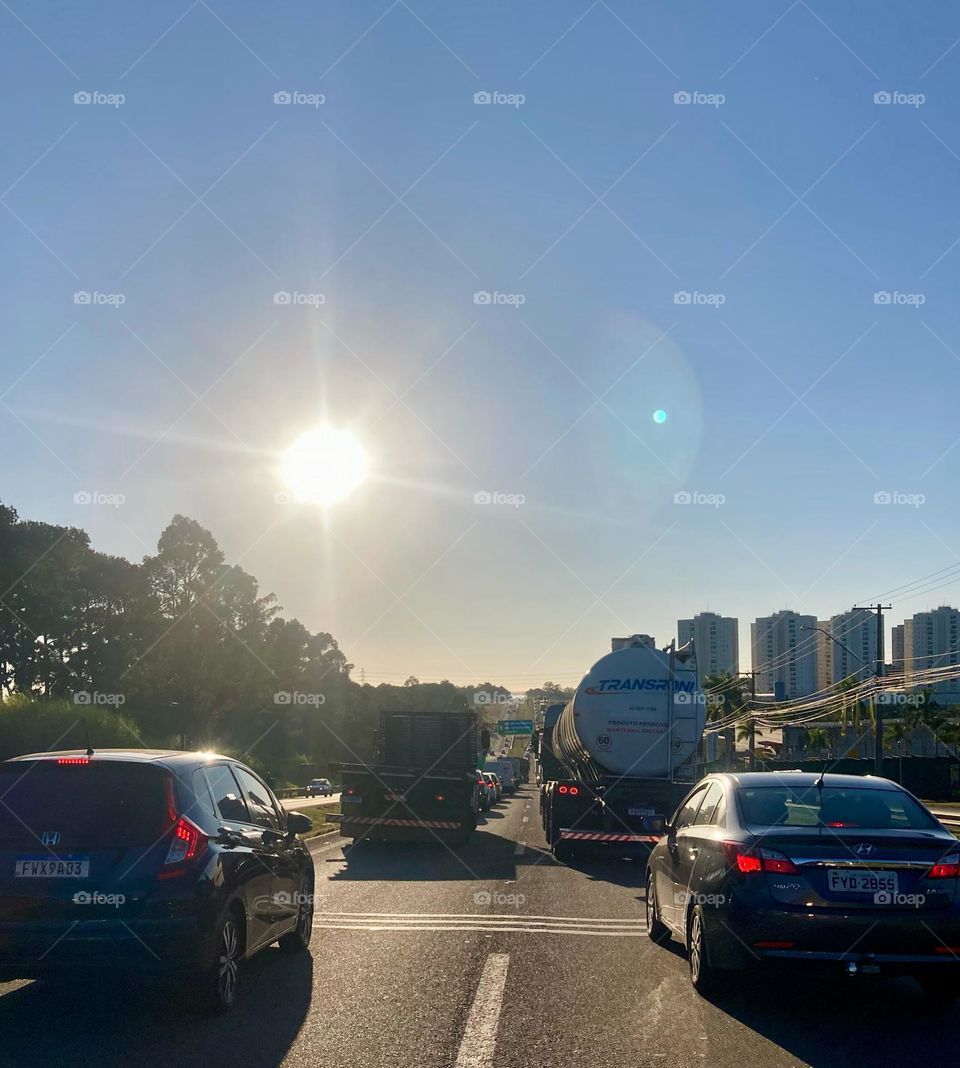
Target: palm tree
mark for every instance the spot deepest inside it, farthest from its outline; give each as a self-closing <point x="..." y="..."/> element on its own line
<point x="725" y="692"/>
<point x="897" y="732"/>
<point x="819" y="739"/>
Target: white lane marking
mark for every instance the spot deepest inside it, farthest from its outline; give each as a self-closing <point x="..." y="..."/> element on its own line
<point x="620" y="921"/>
<point x="526" y="819"/>
<point x="574" y="931"/>
<point x="480" y="1035"/>
<point x="499" y="921"/>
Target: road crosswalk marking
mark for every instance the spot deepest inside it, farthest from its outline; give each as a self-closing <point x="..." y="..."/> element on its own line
<point x="487" y="923"/>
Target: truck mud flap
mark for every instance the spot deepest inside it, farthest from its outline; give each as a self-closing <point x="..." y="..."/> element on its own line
<point x="604" y="836"/>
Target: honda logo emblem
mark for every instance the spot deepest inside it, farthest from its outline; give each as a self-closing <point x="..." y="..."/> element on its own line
<point x="50" y="838"/>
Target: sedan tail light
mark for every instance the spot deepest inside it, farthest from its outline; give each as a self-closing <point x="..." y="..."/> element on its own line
<point x="947" y="867"/>
<point x="748" y="860"/>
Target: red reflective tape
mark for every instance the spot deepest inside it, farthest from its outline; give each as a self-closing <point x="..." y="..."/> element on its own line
<point x="599" y="836"/>
<point x="390" y="821"/>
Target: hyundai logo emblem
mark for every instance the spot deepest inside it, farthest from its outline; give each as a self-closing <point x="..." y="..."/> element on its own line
<point x="50" y="838"/>
<point x="864" y="849"/>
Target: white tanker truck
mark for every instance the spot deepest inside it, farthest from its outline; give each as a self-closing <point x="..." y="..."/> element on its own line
<point x="623" y="749"/>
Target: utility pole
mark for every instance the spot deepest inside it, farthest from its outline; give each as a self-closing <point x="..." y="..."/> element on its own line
<point x="877" y="703"/>
<point x="753" y="726"/>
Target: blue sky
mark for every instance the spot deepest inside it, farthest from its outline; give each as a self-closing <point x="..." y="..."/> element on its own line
<point x="784" y="200"/>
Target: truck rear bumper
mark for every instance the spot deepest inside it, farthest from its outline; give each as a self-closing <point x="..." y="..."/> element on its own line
<point x="606" y="836"/>
<point x="395" y="827"/>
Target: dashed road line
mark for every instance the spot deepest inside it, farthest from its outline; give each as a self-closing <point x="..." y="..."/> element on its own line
<point x="479" y="1042"/>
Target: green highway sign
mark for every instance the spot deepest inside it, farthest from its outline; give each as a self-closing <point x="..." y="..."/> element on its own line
<point x="515" y="726"/>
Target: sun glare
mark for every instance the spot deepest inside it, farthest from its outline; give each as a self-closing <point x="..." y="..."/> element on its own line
<point x="324" y="465"/>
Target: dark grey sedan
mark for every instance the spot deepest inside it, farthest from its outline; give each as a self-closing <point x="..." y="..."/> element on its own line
<point x="845" y="872"/>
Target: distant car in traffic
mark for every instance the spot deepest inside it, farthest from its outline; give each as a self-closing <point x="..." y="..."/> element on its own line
<point x="842" y="871"/>
<point x="147" y="861"/>
<point x="319" y="788"/>
<point x="486" y="795"/>
<point x="492" y="786"/>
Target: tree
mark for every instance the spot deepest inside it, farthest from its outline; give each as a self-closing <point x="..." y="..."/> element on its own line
<point x="725" y="702"/>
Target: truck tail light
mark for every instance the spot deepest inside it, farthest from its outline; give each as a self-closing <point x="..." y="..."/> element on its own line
<point x="439" y="797"/>
<point x="947" y="867"/>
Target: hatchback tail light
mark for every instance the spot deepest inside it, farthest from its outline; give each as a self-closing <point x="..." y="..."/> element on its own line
<point x="187" y="841"/>
<point x="748" y="860"/>
<point x="947" y="867"/>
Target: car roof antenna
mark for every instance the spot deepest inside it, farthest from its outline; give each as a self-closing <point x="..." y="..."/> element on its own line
<point x="86" y="735"/>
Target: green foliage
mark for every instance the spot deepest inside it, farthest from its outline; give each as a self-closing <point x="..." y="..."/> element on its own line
<point x="181" y="651"/>
<point x="29" y="725"/>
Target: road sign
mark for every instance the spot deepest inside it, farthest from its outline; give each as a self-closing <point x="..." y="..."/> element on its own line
<point x="515" y="726"/>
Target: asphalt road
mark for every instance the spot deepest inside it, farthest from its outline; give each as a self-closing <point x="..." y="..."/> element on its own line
<point x="496" y="955"/>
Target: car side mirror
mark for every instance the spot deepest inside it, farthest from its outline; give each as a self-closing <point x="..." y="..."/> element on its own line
<point x="298" y="823"/>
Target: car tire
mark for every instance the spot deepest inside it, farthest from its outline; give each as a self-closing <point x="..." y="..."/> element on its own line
<point x="941" y="991"/>
<point x="298" y="940"/>
<point x="656" y="928"/>
<point x="703" y="975"/>
<point x="220" y="981"/>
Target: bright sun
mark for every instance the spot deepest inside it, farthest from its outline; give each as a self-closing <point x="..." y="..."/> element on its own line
<point x="324" y="465"/>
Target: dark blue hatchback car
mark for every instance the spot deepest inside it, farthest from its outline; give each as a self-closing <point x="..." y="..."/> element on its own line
<point x="147" y="860"/>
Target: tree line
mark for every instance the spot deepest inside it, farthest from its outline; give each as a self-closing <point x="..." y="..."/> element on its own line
<point x="182" y="650"/>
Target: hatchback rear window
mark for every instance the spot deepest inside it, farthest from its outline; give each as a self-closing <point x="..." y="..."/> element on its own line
<point x="95" y="805"/>
<point x="806" y="806"/>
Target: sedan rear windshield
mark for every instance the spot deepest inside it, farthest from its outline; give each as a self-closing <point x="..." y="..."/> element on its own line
<point x="806" y="806"/>
<point x="87" y="805"/>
